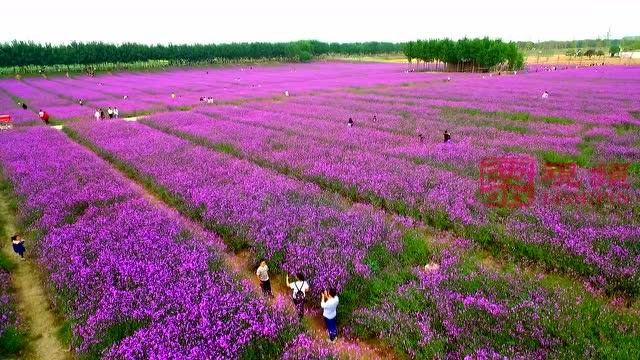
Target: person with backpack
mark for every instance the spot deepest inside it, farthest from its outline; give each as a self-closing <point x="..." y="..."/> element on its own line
<point x="300" y="289"/>
<point x="329" y="304"/>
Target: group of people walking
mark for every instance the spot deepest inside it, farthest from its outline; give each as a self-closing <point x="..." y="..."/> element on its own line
<point x="300" y="288"/>
<point x="111" y="112"/>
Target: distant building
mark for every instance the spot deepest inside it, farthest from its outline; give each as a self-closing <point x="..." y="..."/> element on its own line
<point x="630" y="55"/>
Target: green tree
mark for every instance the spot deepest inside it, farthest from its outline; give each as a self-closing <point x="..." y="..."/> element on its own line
<point x="589" y="53"/>
<point x="614" y="50"/>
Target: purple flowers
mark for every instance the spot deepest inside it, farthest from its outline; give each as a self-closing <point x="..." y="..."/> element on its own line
<point x="120" y="266"/>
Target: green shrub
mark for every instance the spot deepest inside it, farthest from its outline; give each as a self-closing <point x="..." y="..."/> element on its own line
<point x="12" y="341"/>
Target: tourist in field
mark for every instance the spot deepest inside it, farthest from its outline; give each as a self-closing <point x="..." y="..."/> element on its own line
<point x="263" y="276"/>
<point x="18" y="245"/>
<point x="375" y="118"/>
<point x="447" y="136"/>
<point x="350" y="122"/>
<point x="329" y="304"/>
<point x="80" y="102"/>
<point x="545" y="95"/>
<point x="44" y="116"/>
<point x="116" y="113"/>
<point x="421" y="137"/>
<point x="173" y="95"/>
<point x="110" y="112"/>
<point x="431" y="266"/>
<point x="97" y="114"/>
<point x="300" y="289"/>
<point x="24" y="106"/>
<point x="286" y="93"/>
<point x="125" y="97"/>
<point x="101" y="114"/>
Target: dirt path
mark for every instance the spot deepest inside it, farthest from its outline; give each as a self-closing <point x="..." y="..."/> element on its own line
<point x="242" y="265"/>
<point x="33" y="304"/>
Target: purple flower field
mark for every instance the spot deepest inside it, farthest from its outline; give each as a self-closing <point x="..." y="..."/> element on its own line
<point x="360" y="208"/>
<point x="105" y="250"/>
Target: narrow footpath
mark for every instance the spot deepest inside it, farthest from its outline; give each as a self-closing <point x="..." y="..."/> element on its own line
<point x="33" y="305"/>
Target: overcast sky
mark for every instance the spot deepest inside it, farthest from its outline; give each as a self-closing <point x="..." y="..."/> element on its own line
<point x="206" y="21"/>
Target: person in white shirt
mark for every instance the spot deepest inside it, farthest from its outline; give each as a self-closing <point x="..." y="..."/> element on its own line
<point x="263" y="276"/>
<point x="116" y="113"/>
<point x="300" y="289"/>
<point x="110" y="112"/>
<point x="545" y="95"/>
<point x="286" y="93"/>
<point x="431" y="266"/>
<point x="97" y="114"/>
<point x="329" y="304"/>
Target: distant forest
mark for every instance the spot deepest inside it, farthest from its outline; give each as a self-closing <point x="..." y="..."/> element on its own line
<point x="23" y="58"/>
<point x="22" y="53"/>
<point x="466" y="54"/>
<point x="626" y="43"/>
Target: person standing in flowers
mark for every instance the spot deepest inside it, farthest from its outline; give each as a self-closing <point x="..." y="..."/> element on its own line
<point x="350" y="122"/>
<point x="263" y="276"/>
<point x="329" y="304"/>
<point x="97" y="114"/>
<point x="116" y="113"/>
<point x="545" y="94"/>
<point x="300" y="289"/>
<point x="18" y="245"/>
<point x="101" y="114"/>
<point x="44" y="116"/>
<point x="110" y="112"/>
<point x="447" y="136"/>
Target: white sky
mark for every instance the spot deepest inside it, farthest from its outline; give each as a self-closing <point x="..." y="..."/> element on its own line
<point x="206" y="21"/>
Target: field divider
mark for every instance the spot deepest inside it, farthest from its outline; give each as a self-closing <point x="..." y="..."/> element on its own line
<point x="43" y="323"/>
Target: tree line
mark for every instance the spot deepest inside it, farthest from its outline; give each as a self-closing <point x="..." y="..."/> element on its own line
<point x="23" y="53"/>
<point x="466" y="54"/>
<point x="626" y="43"/>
